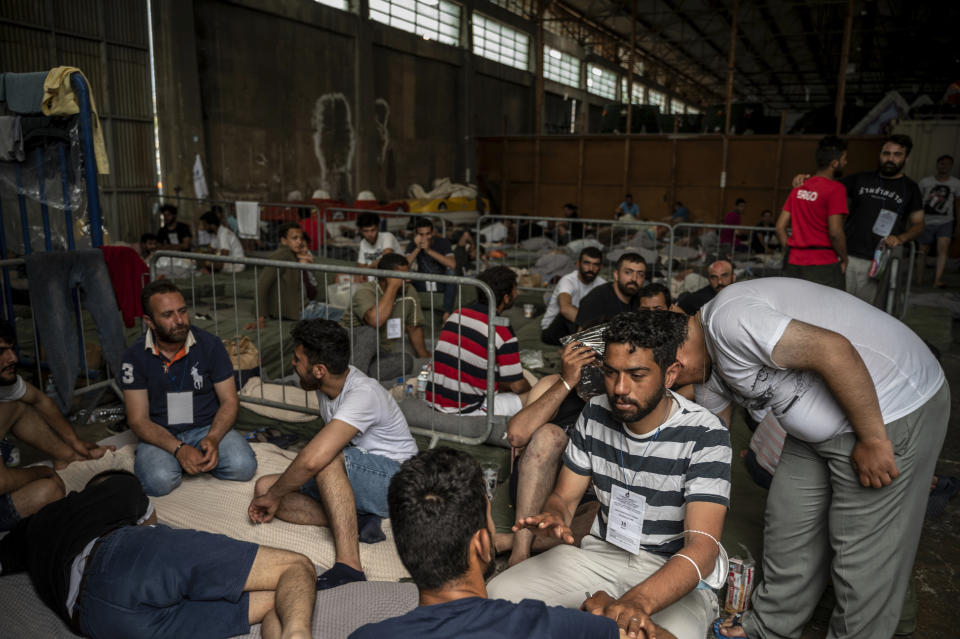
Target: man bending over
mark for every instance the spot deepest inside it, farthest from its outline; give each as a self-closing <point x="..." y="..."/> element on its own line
<point x="660" y="466"/>
<point x="347" y="466"/>
<point x="107" y="576"/>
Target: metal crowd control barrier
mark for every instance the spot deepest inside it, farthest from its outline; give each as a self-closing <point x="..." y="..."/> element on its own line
<point x="612" y="234"/>
<point x="704" y="243"/>
<point x="329" y="219"/>
<point x="289" y="212"/>
<point x="334" y="269"/>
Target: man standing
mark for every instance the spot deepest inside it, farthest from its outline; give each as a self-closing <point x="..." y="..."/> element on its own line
<point x="429" y="254"/>
<point x="285" y="298"/>
<point x="173" y="235"/>
<point x="181" y="399"/>
<point x="720" y="274"/>
<point x="865" y="406"/>
<point x="222" y="242"/>
<point x="99" y="560"/>
<point x="347" y="466"/>
<point x="374" y="243"/>
<point x="35" y="419"/>
<point x="660" y="466"/>
<point x="460" y="360"/>
<point x="728" y="236"/>
<point x="442" y="491"/>
<point x="560" y="318"/>
<point x="390" y="308"/>
<point x="618" y="296"/>
<point x="815" y="211"/>
<point x="885" y="205"/>
<point x="627" y="208"/>
<point x="941" y="193"/>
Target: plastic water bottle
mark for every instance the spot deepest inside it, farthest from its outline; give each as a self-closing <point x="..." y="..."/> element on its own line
<point x="423" y="379"/>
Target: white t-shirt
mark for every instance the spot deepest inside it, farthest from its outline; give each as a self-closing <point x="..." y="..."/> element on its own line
<point x="745" y="321"/>
<point x="13" y="392"/>
<point x="938" y="198"/>
<point x="370" y="253"/>
<point x="569" y="283"/>
<point x="367" y="406"/>
<point x="225" y="239"/>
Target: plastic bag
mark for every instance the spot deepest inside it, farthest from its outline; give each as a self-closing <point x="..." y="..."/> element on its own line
<point x="881" y="257"/>
<point x="591" y="378"/>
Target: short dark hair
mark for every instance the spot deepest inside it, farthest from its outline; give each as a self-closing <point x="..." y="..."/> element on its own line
<point x="500" y="279"/>
<point x="630" y="257"/>
<point x="286" y="227"/>
<point x="653" y="289"/>
<point x="156" y="287"/>
<point x="438" y="490"/>
<point x="422" y="222"/>
<point x="323" y="342"/>
<point x="7" y="332"/>
<point x="660" y="331"/>
<point x="103" y="476"/>
<point x="168" y="208"/>
<point x="391" y="261"/>
<point x="829" y="149"/>
<point x="903" y="140"/>
<point x="592" y="252"/>
<point x="146" y="237"/>
<point x="945" y="156"/>
<point x="210" y="218"/>
<point x="739" y="201"/>
<point x="368" y="219"/>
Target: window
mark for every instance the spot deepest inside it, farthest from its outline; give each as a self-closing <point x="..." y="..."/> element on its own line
<point x="637" y="91"/>
<point x="676" y="106"/>
<point x="518" y="7"/>
<point x="343" y="5"/>
<point x="692" y="110"/>
<point x="602" y="82"/>
<point x="431" y="19"/>
<point x="496" y="41"/>
<point x="561" y="67"/>
<point x="655" y="98"/>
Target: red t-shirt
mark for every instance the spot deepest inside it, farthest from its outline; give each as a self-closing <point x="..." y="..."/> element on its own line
<point x="809" y="206"/>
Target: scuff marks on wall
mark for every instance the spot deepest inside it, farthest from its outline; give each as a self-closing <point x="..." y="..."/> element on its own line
<point x="334" y="140"/>
<point x="381" y="117"/>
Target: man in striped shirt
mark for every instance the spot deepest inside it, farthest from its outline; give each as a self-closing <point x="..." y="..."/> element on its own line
<point x="460" y="359"/>
<point x="660" y="466"/>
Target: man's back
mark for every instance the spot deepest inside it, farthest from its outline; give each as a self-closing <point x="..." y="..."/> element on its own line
<point x="809" y="205"/>
<point x="475" y="617"/>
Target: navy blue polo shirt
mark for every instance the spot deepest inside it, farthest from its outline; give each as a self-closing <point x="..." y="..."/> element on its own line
<point x="201" y="363"/>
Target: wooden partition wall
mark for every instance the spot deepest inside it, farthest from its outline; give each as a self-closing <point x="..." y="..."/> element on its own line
<point x="537" y="176"/>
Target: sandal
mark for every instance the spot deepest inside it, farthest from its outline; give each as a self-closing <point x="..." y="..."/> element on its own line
<point x="734" y="622"/>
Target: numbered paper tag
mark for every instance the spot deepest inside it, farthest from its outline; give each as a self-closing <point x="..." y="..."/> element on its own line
<point x="885" y="223"/>
<point x="180" y="408"/>
<point x="394" y="328"/>
<point x="625" y="520"/>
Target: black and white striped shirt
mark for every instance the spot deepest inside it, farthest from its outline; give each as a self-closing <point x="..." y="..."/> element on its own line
<point x="687" y="459"/>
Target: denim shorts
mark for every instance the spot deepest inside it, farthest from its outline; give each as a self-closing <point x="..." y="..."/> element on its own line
<point x="933" y="232"/>
<point x="8" y="513"/>
<point x="156" y="581"/>
<point x="369" y="475"/>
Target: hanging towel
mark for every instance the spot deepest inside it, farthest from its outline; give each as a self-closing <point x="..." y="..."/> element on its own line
<point x="248" y="220"/>
<point x="59" y="99"/>
<point x="23" y="92"/>
<point x="11" y="139"/>
<point x="128" y="274"/>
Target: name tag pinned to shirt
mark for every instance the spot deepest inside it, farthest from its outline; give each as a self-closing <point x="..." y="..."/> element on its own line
<point x="885" y="222"/>
<point x="625" y="521"/>
<point x="180" y="408"/>
<point x="394" y="328"/>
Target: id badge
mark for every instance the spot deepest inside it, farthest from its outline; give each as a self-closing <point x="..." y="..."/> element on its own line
<point x="394" y="328"/>
<point x="431" y="287"/>
<point x="885" y="223"/>
<point x="180" y="408"/>
<point x="625" y="520"/>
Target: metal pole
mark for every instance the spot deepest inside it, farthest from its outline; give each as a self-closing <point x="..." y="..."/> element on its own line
<point x="626" y="140"/>
<point x="539" y="118"/>
<point x="731" y="61"/>
<point x="842" y="73"/>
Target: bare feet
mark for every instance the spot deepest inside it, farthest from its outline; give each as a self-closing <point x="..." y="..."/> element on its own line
<point x="730" y="627"/>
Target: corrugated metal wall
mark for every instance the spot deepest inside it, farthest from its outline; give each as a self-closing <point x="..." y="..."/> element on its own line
<point x="108" y="41"/>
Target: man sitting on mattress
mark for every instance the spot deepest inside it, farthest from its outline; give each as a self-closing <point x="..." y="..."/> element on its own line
<point x="105" y="575"/>
<point x="181" y="399"/>
<point x="343" y="474"/>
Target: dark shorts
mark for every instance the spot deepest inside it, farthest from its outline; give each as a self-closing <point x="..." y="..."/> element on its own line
<point x="826" y="274"/>
<point x="156" y="581"/>
<point x="8" y="513"/>
<point x="935" y="231"/>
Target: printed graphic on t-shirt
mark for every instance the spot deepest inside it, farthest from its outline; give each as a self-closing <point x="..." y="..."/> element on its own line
<point x="767" y="384"/>
<point x="939" y="201"/>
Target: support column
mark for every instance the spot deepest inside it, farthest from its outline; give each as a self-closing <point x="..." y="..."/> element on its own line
<point x="731" y="61"/>
<point x="842" y="73"/>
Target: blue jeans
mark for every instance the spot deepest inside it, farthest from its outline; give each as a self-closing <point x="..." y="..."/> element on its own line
<point x="156" y="581"/>
<point x="53" y="275"/>
<point x="369" y="475"/>
<point x="160" y="472"/>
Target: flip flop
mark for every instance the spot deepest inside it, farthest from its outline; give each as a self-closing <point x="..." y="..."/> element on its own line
<point x="719" y="621"/>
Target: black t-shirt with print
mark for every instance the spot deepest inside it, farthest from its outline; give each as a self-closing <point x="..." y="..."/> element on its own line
<point x="173" y="236"/>
<point x="600" y="305"/>
<point x="868" y="194"/>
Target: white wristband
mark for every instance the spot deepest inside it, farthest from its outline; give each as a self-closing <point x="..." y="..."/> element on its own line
<point x="568" y="387"/>
<point x="695" y="566"/>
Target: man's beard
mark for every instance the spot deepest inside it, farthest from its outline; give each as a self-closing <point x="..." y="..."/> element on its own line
<point x="173" y="336"/>
<point x="629" y="289"/>
<point x="889" y="169"/>
<point x="9" y="370"/>
<point x="640" y="410"/>
<point x="837" y="173"/>
<point x="587" y="276"/>
<point x="309" y="383"/>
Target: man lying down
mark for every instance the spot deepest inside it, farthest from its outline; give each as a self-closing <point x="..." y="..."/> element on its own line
<point x="101" y="562"/>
